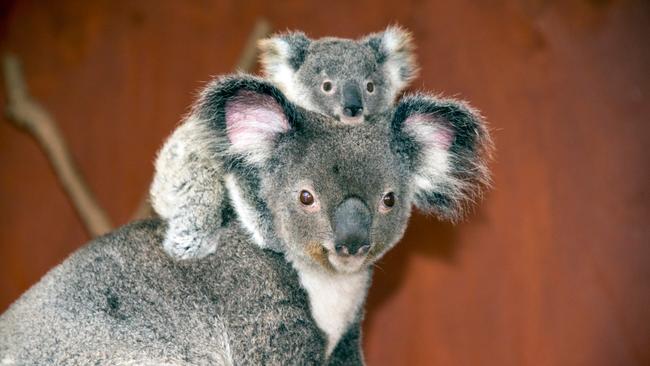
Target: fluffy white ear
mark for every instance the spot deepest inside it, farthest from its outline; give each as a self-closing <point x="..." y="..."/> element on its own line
<point x="253" y="122"/>
<point x="434" y="162"/>
<point x="281" y="56"/>
<point x="395" y="50"/>
<point x="448" y="144"/>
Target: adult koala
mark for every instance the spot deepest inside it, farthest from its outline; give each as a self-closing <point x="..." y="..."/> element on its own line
<point x="343" y="78"/>
<point x="332" y="197"/>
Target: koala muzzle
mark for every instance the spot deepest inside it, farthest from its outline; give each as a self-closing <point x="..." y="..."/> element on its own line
<point x="352" y="227"/>
<point x="352" y="101"/>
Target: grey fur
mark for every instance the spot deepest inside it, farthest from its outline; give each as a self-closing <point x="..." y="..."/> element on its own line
<point x="187" y="188"/>
<point x="122" y="300"/>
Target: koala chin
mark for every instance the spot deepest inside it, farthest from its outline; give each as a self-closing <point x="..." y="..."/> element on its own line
<point x="348" y="80"/>
<point x="347" y="264"/>
<point x="328" y="198"/>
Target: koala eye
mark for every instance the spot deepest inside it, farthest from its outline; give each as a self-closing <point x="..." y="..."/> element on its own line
<point x="370" y="87"/>
<point x="306" y="198"/>
<point x="327" y="86"/>
<point x="387" y="201"/>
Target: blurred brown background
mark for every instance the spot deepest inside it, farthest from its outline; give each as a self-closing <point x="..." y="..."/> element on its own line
<point x="552" y="269"/>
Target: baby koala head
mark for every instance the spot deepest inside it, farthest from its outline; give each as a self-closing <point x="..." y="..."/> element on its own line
<point x="339" y="196"/>
<point x="343" y="78"/>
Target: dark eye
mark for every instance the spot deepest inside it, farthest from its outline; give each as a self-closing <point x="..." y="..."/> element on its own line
<point x="327" y="86"/>
<point x="388" y="200"/>
<point x="306" y="198"/>
<point x="370" y="87"/>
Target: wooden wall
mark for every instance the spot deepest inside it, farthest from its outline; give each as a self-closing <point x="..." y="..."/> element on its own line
<point x="552" y="269"/>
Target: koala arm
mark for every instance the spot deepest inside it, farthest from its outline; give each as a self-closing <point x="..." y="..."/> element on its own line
<point x="187" y="191"/>
<point x="348" y="351"/>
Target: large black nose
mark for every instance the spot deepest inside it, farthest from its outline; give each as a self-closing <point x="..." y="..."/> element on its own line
<point x="352" y="101"/>
<point x="352" y="111"/>
<point x="352" y="227"/>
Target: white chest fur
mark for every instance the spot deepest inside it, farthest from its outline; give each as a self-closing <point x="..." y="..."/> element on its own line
<point x="335" y="299"/>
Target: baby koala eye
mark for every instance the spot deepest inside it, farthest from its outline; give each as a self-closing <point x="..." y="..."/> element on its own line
<point x="387" y="202"/>
<point x="327" y="87"/>
<point x="370" y="87"/>
<point x="306" y="198"/>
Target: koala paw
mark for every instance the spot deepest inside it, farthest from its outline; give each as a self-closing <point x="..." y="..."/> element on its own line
<point x="183" y="243"/>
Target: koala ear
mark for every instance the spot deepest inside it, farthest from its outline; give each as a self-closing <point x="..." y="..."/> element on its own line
<point x="249" y="114"/>
<point x="447" y="144"/>
<point x="394" y="49"/>
<point x="283" y="54"/>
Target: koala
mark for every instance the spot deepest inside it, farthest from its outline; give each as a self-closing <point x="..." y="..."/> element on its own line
<point x="332" y="199"/>
<point x="345" y="79"/>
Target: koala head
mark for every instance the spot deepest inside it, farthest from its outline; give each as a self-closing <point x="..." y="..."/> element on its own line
<point x="343" y="78"/>
<point x="339" y="196"/>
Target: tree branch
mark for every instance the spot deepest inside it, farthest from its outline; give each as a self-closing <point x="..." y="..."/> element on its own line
<point x="248" y="56"/>
<point x="26" y="113"/>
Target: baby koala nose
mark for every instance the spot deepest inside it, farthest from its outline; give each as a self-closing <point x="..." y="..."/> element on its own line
<point x="352" y="221"/>
<point x="352" y="110"/>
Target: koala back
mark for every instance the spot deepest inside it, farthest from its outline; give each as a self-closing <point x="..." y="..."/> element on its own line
<point x="121" y="299"/>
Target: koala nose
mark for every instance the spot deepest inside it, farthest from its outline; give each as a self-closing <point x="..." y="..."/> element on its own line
<point x="352" y="111"/>
<point x="352" y="227"/>
<point x="352" y="101"/>
<point x="345" y="251"/>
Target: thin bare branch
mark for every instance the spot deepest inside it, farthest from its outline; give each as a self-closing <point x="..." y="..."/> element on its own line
<point x="27" y="114"/>
<point x="249" y="54"/>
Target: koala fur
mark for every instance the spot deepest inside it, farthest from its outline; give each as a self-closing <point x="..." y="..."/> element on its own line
<point x="122" y="300"/>
<point x="187" y="189"/>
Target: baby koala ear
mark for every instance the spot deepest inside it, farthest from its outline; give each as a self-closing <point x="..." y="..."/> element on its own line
<point x="448" y="146"/>
<point x="283" y="54"/>
<point x="249" y="114"/>
<point x="394" y="49"/>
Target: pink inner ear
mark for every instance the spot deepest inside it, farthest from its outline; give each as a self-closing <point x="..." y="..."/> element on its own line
<point x="430" y="130"/>
<point x="253" y="118"/>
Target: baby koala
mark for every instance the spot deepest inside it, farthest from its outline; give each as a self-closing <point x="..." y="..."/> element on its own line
<point x="343" y="78"/>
